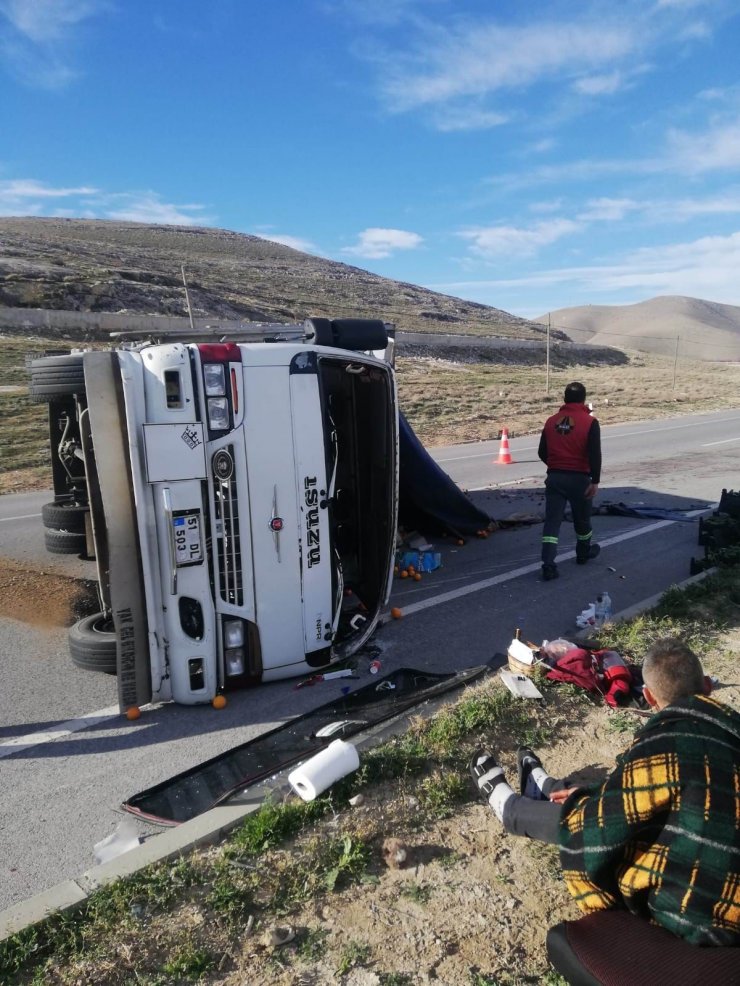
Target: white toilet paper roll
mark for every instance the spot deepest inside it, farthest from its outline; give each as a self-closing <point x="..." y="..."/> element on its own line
<point x="309" y="779"/>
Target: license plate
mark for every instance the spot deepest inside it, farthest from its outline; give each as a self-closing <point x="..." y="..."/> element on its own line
<point x="188" y="544"/>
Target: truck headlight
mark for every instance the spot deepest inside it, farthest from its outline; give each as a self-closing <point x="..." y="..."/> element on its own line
<point x="234" y="659"/>
<point x="213" y="375"/>
<point x="233" y="633"/>
<point x="218" y="414"/>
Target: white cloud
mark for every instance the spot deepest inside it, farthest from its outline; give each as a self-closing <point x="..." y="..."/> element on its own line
<point x="47" y="20"/>
<point x="448" y="120"/>
<point x="716" y="149"/>
<point x="484" y="58"/>
<point x="29" y="197"/>
<point x="599" y="85"/>
<point x="552" y="205"/>
<point x="294" y="242"/>
<point x="492" y="241"/>
<point x="702" y="268"/>
<point x="148" y="207"/>
<point x="40" y="36"/>
<point x="375" y="243"/>
<point x="606" y="209"/>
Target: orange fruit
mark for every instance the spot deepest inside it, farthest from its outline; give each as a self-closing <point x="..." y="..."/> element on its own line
<point x="417" y="577"/>
<point x="404" y="573"/>
<point x="133" y="713"/>
<point x="396" y="613"/>
<point x="460" y="541"/>
<point x="219" y="702"/>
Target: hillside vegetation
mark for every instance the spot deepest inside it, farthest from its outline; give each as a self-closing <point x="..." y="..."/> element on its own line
<point x="97" y="266"/>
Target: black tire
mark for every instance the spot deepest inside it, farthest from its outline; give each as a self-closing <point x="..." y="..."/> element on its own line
<point x="319" y="331"/>
<point x="359" y="333"/>
<point x="92" y="644"/>
<point x="65" y="542"/>
<point x="64" y="517"/>
<point x="56" y="376"/>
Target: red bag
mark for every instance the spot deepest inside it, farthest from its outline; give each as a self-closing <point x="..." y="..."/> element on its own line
<point x="576" y="667"/>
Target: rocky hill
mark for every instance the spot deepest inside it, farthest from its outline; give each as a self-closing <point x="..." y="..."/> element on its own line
<point x="98" y="266"/>
<point x="700" y="329"/>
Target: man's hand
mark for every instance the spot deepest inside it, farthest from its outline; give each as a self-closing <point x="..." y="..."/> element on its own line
<point x="559" y="797"/>
<point x="591" y="490"/>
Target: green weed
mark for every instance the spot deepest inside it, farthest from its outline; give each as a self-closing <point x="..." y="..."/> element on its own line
<point x="621" y="722"/>
<point x="190" y="963"/>
<point x="441" y="793"/>
<point x="419" y="893"/>
<point x="394" y="979"/>
<point x="352" y="955"/>
<point x="312" y="944"/>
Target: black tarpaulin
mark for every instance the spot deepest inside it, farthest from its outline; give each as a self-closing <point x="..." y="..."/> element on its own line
<point x="428" y="500"/>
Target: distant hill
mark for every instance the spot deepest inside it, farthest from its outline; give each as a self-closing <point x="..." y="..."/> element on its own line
<point x="705" y="329"/>
<point x="99" y="266"/>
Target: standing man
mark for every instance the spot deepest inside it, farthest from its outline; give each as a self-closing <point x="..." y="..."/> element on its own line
<point x="570" y="447"/>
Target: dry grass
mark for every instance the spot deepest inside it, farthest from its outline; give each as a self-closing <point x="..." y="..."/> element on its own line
<point x="449" y="403"/>
<point x="445" y="402"/>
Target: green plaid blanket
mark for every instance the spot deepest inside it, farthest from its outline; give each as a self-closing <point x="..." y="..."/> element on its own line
<point x="661" y="836"/>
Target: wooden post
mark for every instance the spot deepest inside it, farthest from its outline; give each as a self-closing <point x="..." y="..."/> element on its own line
<point x="675" y="362"/>
<point x="187" y="297"/>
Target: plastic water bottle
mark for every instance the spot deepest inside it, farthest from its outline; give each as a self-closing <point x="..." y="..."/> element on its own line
<point x="603" y="609"/>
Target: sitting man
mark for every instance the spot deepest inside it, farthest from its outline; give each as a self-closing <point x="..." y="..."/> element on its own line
<point x="661" y="835"/>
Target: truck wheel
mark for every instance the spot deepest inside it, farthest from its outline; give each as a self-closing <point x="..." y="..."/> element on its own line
<point x="359" y="333"/>
<point x="65" y="542"/>
<point x="92" y="644"/>
<point x="56" y="376"/>
<point x="64" y="517"/>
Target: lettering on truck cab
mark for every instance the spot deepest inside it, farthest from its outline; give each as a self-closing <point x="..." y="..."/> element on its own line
<point x="313" y="537"/>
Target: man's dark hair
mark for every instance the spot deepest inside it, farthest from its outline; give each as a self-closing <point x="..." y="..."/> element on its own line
<point x="575" y="393"/>
<point x="672" y="670"/>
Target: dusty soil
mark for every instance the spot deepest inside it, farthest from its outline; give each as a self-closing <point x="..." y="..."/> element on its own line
<point x="42" y="599"/>
<point x="471" y="901"/>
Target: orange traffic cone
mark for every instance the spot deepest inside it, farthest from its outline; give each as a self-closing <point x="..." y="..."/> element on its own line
<point x="504" y="455"/>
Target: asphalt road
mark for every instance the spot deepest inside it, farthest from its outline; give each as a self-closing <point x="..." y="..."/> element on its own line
<point x="59" y="791"/>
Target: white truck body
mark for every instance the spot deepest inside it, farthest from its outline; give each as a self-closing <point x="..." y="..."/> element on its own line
<point x="243" y="504"/>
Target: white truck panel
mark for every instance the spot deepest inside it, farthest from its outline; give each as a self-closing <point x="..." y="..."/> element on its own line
<point x="272" y="493"/>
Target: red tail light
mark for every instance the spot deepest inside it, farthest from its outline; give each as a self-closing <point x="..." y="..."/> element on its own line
<point x="219" y="352"/>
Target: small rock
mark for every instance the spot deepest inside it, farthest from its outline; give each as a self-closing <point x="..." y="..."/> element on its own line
<point x="395" y="853"/>
<point x="357" y="800"/>
<point x="279" y="935"/>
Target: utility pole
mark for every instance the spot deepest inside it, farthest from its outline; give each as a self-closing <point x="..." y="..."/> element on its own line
<point x="675" y="362"/>
<point x="547" y="372"/>
<point x="187" y="297"/>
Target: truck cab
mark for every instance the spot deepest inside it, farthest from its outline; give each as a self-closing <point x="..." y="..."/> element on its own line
<point x="239" y="496"/>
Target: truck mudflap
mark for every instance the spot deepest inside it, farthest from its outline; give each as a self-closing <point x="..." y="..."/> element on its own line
<point x="104" y="390"/>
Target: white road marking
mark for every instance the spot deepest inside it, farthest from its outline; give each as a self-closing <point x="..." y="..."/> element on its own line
<point x="723" y="442"/>
<point x="10" y="746"/>
<point x="21" y="517"/>
<point x="446" y="597"/>
<point x="605" y="437"/>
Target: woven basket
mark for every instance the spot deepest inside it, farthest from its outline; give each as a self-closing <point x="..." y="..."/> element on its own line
<point x="519" y="667"/>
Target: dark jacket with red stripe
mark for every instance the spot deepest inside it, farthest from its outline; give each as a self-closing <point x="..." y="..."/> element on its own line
<point x="571" y="442"/>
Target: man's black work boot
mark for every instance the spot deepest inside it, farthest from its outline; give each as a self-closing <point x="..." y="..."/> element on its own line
<point x="549" y="572"/>
<point x="593" y="550"/>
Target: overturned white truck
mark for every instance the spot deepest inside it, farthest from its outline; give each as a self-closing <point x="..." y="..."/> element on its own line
<point x="239" y="498"/>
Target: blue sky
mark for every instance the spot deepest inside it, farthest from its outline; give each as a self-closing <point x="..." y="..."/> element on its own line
<point x="528" y="154"/>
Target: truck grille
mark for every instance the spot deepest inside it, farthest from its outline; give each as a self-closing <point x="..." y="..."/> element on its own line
<point x="228" y="543"/>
